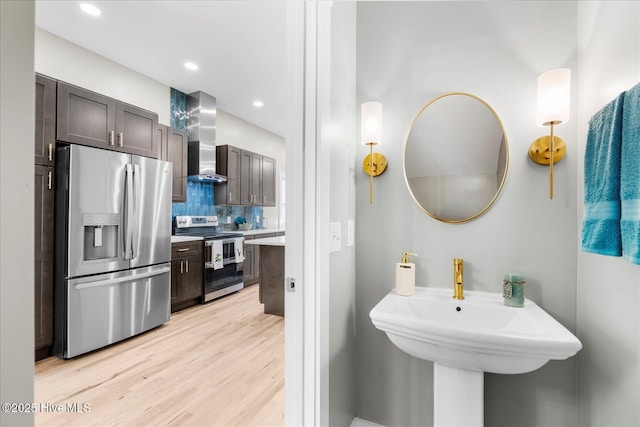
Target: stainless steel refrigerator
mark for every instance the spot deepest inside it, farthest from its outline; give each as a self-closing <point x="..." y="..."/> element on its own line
<point x="113" y="247"/>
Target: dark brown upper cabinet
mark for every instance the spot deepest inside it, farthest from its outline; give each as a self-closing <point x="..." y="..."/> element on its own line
<point x="250" y="178"/>
<point x="268" y="181"/>
<point x="89" y="118"/>
<point x="228" y="164"/>
<point x="256" y="179"/>
<point x="173" y="148"/>
<point x="246" y="163"/>
<point x="45" y="130"/>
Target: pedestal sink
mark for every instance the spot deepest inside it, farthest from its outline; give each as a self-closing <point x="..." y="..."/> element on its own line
<point x="466" y="338"/>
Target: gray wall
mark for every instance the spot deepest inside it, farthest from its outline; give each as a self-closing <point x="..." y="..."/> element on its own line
<point x="608" y="314"/>
<point x="66" y="61"/>
<point x="340" y="133"/>
<point x="16" y="208"/>
<point x="408" y="53"/>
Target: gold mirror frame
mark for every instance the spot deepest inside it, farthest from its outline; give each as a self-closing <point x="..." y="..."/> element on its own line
<point x="506" y="159"/>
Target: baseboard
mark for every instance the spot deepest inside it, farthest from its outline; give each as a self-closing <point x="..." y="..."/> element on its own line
<point x="359" y="422"/>
<point x="42" y="353"/>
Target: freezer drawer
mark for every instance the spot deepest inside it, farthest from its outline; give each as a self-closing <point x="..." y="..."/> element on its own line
<point x="107" y="308"/>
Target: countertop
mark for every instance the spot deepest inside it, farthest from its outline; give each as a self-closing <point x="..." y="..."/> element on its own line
<point x="268" y="241"/>
<point x="180" y="239"/>
<point x="252" y="232"/>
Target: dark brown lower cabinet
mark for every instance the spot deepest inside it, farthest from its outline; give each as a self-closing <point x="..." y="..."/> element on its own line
<point x="272" y="279"/>
<point x="186" y="274"/>
<point x="251" y="265"/>
<point x="43" y="251"/>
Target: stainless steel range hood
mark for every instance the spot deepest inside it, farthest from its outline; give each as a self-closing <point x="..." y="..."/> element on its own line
<point x="201" y="127"/>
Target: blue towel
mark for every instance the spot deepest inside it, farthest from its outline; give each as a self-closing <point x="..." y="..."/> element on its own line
<point x="630" y="176"/>
<point x="601" y="225"/>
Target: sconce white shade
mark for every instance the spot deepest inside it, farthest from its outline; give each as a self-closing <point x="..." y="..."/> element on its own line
<point x="371" y="123"/>
<point x="554" y="97"/>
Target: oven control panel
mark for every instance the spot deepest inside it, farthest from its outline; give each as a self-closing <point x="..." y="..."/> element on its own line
<point x="196" y="221"/>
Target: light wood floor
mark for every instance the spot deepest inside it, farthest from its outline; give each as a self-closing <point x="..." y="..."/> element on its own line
<point x="219" y="364"/>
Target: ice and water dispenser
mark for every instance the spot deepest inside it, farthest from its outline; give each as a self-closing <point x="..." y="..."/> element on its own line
<point x="100" y="236"/>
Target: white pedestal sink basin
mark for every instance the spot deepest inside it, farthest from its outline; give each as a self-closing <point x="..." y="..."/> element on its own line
<point x="465" y="338"/>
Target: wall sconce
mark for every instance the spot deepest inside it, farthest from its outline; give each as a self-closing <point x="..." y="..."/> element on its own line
<point x="371" y="134"/>
<point x="554" y="99"/>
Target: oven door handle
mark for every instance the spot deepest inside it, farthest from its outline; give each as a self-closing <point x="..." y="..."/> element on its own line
<point x="208" y="254"/>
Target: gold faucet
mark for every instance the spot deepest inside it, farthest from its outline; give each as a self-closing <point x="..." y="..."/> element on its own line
<point x="458" y="278"/>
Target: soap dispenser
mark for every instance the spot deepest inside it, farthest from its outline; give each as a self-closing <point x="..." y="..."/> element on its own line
<point x="406" y="276"/>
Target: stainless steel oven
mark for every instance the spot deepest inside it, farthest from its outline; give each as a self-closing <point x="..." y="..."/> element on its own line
<point x="219" y="281"/>
<point x="223" y="255"/>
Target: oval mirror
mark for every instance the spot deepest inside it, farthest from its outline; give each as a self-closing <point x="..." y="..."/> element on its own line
<point x="456" y="157"/>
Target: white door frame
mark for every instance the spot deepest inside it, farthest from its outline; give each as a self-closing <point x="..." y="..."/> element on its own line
<point x="307" y="225"/>
<point x="299" y="352"/>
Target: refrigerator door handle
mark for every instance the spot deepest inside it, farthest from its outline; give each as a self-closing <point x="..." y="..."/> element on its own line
<point x="137" y="201"/>
<point x="131" y="278"/>
<point x="128" y="226"/>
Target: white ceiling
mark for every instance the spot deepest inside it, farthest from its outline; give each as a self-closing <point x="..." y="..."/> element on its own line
<point x="238" y="45"/>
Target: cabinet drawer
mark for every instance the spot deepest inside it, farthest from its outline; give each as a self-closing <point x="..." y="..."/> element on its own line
<point x="184" y="249"/>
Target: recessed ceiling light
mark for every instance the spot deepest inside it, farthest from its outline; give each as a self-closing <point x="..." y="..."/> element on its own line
<point x="190" y="66"/>
<point x="90" y="9"/>
<point x="258" y="104"/>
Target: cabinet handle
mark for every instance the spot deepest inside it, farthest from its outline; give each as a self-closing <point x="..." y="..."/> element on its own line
<point x="183" y="249"/>
<point x="49" y="175"/>
<point x="264" y="200"/>
<point x="187" y="262"/>
<point x="120" y="139"/>
<point x="50" y="152"/>
<point x="111" y="136"/>
<point x="230" y="198"/>
<point x="180" y="267"/>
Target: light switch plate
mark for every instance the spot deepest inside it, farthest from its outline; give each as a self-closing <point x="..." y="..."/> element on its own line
<point x="336" y="237"/>
<point x="351" y="231"/>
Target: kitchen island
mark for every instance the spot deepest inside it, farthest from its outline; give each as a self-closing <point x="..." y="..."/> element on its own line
<point x="271" y="291"/>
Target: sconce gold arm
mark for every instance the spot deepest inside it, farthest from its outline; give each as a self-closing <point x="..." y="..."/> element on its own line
<point x="551" y="162"/>
<point x="547" y="150"/>
<point x="373" y="165"/>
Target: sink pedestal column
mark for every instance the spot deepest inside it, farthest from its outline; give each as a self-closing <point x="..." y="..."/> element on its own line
<point x="458" y="397"/>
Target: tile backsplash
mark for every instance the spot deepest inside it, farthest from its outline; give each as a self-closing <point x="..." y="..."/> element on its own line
<point x="228" y="214"/>
<point x="178" y="109"/>
<point x="200" y="202"/>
